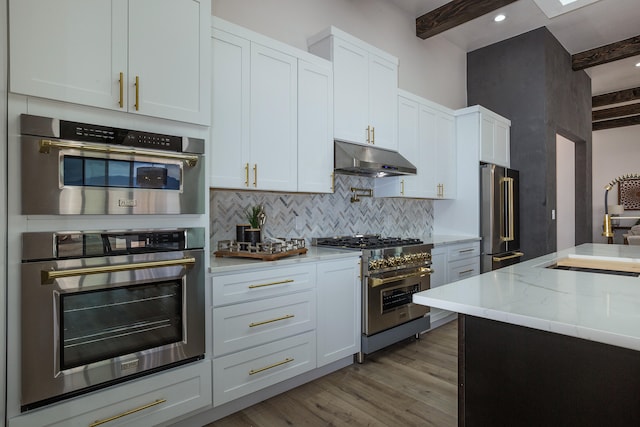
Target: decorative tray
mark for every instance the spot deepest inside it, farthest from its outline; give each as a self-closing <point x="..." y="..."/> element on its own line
<point x="266" y="251"/>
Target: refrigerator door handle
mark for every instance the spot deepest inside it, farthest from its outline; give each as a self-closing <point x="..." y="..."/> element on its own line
<point x="504" y="258"/>
<point x="509" y="229"/>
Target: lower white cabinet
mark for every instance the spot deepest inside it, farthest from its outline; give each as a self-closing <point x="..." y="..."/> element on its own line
<point x="274" y="323"/>
<point x="151" y="400"/>
<point x="450" y="263"/>
<point x="339" y="309"/>
<point x="239" y="374"/>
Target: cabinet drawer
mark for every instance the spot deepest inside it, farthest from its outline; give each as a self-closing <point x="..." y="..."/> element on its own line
<point x="242" y="373"/>
<point x="464" y="268"/>
<point x="240" y="326"/>
<point x="260" y="284"/>
<point x="463" y="251"/>
<point x="157" y="398"/>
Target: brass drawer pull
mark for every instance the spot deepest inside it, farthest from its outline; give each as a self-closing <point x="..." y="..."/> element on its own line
<point x="264" y="322"/>
<point x="255" y="371"/>
<point x="465" y="272"/>
<point x="48" y="276"/>
<point x="47" y="144"/>
<point x="262" y="285"/>
<point x="466" y="250"/>
<point x="129" y="412"/>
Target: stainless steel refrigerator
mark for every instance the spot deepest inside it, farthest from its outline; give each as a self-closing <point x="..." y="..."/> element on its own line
<point x="499" y="217"/>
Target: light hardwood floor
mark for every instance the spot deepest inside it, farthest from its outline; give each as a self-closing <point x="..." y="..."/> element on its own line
<point x="411" y="383"/>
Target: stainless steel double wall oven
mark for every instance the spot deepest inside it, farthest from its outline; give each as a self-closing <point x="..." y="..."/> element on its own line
<point x="99" y="307"/>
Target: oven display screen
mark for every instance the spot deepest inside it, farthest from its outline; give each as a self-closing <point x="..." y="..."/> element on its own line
<point x="94" y="172"/>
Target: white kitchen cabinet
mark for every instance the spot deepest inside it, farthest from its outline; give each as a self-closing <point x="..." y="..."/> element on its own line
<point x="451" y="262"/>
<point x="273" y="323"/>
<point x="315" y="127"/>
<point x="145" y="57"/>
<point x="494" y="138"/>
<point x="152" y="400"/>
<point x="271" y="114"/>
<point x="339" y="305"/>
<point x="365" y="88"/>
<point x="427" y="138"/>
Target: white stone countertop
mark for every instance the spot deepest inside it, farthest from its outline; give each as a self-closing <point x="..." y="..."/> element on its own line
<point x="314" y="253"/>
<point x="596" y="307"/>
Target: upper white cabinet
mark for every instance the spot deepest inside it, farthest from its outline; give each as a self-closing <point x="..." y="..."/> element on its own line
<point x="271" y="114"/>
<point x="494" y="138"/>
<point x="147" y="57"/>
<point x="427" y="138"/>
<point x="315" y="127"/>
<point x="365" y="88"/>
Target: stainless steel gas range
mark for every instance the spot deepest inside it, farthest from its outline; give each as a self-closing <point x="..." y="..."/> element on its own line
<point x="393" y="269"/>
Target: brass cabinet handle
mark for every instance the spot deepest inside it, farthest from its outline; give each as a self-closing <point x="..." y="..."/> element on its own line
<point x="255" y="371"/>
<point x="402" y="187"/>
<point x="271" y="284"/>
<point x="376" y="281"/>
<point x="277" y="319"/>
<point x="47" y="277"/>
<point x="368" y="134"/>
<point x="129" y="412"/>
<point x="255" y="175"/>
<point x="246" y="175"/>
<point x="460" y="273"/>
<point x="373" y="135"/>
<point x="504" y="258"/>
<point x="121" y="103"/>
<point x="333" y="182"/>
<point x="137" y="105"/>
<point x="47" y="144"/>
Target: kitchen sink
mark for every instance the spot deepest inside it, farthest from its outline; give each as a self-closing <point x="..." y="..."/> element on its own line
<point x="613" y="266"/>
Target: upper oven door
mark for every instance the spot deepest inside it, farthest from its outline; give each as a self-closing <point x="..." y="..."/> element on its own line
<point x="61" y="177"/>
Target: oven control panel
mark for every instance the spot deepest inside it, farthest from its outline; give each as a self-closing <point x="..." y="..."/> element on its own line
<point x="403" y="260"/>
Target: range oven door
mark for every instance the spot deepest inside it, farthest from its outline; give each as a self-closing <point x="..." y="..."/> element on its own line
<point x="64" y="177"/>
<point x="91" y="322"/>
<point x="388" y="299"/>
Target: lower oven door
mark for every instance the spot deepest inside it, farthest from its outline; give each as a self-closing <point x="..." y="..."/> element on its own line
<point x="92" y="322"/>
<point x="388" y="299"/>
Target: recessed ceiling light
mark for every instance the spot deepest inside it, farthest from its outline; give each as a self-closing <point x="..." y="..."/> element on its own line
<point x="638" y="65"/>
<point x="499" y="18"/>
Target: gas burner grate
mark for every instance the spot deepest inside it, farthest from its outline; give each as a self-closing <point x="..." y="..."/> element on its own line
<point x="371" y="241"/>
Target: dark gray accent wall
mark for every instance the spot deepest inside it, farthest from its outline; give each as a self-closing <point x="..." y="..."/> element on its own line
<point x="528" y="79"/>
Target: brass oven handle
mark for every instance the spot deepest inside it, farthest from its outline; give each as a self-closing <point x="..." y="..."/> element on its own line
<point x="255" y="371"/>
<point x="47" y="277"/>
<point x="121" y="103"/>
<point x="264" y="322"/>
<point x="47" y="144"/>
<point x="271" y="284"/>
<point x="423" y="271"/>
<point x="137" y="105"/>
<point x="504" y="258"/>
<point x="125" y="413"/>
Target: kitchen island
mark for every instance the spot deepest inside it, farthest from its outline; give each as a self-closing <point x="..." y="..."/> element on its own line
<point x="543" y="346"/>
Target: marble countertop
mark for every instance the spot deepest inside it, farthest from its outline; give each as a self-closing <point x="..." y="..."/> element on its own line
<point x="597" y="307"/>
<point x="314" y="253"/>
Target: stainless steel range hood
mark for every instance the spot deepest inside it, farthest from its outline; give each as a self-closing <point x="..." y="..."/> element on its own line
<point x="366" y="160"/>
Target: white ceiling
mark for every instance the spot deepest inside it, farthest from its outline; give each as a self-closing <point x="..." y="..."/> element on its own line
<point x="593" y="25"/>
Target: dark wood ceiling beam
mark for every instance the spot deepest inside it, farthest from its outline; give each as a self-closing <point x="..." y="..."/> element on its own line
<point x="610" y="113"/>
<point x="616" y="123"/>
<point x="605" y="54"/>
<point x="615" y="97"/>
<point x="453" y="14"/>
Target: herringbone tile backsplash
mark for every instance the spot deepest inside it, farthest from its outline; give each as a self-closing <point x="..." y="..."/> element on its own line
<point x="321" y="215"/>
